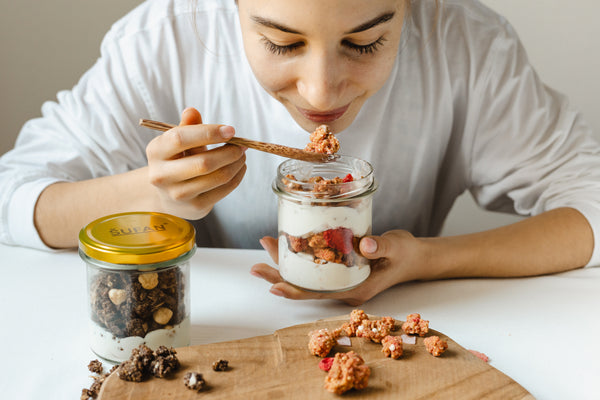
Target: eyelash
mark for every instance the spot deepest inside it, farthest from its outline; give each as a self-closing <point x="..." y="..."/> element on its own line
<point x="360" y="49"/>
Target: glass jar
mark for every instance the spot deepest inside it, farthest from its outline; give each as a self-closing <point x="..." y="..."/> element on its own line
<point x="138" y="282"/>
<point x="324" y="210"/>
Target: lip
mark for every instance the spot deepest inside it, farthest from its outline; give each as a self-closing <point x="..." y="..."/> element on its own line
<point x="323" y="117"/>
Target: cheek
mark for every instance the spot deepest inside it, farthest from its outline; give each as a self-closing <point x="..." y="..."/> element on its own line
<point x="273" y="75"/>
<point x="373" y="75"/>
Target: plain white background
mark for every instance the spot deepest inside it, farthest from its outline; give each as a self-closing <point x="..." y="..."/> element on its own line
<point x="45" y="46"/>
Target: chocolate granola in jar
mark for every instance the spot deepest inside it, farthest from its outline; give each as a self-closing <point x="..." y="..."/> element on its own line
<point x="324" y="211"/>
<point x="138" y="282"/>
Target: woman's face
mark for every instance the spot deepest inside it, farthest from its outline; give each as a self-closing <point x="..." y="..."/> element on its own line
<point x="321" y="58"/>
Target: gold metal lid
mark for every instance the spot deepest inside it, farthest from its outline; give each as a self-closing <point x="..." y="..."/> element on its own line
<point x="137" y="238"/>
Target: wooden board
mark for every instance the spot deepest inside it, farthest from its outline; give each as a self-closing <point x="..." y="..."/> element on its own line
<point x="279" y="366"/>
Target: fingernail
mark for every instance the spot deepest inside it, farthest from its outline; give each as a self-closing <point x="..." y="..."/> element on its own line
<point x="276" y="292"/>
<point x="368" y="245"/>
<point x="262" y="243"/>
<point x="226" y="131"/>
<point x="256" y="274"/>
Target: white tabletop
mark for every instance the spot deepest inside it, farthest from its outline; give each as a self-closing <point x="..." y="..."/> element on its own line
<point x="542" y="332"/>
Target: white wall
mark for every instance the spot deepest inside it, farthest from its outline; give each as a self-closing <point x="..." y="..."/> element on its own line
<point x="45" y="46"/>
<point x="563" y="43"/>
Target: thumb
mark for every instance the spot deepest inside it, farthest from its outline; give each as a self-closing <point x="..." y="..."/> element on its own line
<point x="190" y="116"/>
<point x="373" y="247"/>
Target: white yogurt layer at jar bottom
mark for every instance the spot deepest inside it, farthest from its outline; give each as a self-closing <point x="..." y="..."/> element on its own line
<point x="300" y="269"/>
<point x="301" y="219"/>
<point x="108" y="346"/>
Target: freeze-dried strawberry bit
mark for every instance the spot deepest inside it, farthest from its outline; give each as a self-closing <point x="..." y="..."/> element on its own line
<point x="480" y="355"/>
<point x="348" y="178"/>
<point x="435" y="345"/>
<point x="339" y="239"/>
<point x="414" y="325"/>
<point x="326" y="363"/>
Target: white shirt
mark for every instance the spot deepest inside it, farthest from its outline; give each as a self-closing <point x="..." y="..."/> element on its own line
<point x="462" y="110"/>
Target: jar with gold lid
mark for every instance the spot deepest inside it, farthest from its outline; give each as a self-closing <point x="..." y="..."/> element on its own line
<point x="138" y="281"/>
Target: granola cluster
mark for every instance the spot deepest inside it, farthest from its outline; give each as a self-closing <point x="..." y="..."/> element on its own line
<point x="323" y="141"/>
<point x="321" y="342"/>
<point x="414" y="325"/>
<point x="194" y="381"/>
<point x="392" y="346"/>
<point x="145" y="362"/>
<point x="348" y="371"/>
<point x="130" y="303"/>
<point x="99" y="377"/>
<point x="142" y="364"/>
<point x="435" y="345"/>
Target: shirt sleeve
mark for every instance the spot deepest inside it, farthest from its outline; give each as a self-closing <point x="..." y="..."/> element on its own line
<point x="531" y="151"/>
<point x="88" y="132"/>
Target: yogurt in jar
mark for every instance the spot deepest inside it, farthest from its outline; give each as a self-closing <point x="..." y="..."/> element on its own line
<point x="117" y="349"/>
<point x="321" y="222"/>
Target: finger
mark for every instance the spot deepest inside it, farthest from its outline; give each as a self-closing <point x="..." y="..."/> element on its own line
<point x="181" y="138"/>
<point x="266" y="272"/>
<point x="373" y="247"/>
<point x="190" y="116"/>
<point x="271" y="245"/>
<point x="210" y="188"/>
<point x="215" y="165"/>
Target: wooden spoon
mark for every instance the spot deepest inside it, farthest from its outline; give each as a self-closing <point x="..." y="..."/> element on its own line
<point x="280" y="150"/>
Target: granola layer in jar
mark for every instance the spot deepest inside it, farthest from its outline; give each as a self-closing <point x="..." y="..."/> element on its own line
<point x="324" y="211"/>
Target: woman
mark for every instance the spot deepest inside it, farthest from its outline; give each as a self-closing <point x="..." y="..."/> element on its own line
<point x="440" y="99"/>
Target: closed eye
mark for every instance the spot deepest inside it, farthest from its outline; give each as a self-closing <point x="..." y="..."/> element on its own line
<point x="360" y="49"/>
<point x="365" y="49"/>
<point x="279" y="49"/>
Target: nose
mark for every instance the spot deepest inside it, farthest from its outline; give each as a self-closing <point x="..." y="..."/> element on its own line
<point x="321" y="80"/>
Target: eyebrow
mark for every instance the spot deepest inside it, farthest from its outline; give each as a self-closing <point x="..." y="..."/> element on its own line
<point x="385" y="17"/>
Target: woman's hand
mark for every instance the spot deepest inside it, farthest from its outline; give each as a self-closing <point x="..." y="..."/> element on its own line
<point x="190" y="178"/>
<point x="396" y="258"/>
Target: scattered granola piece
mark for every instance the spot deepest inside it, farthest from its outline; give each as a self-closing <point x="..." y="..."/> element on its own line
<point x="194" y="381"/>
<point x="392" y="346"/>
<point x="414" y="325"/>
<point x="87" y="394"/>
<point x="356" y="319"/>
<point x="95" y="366"/>
<point x="220" y="365"/>
<point x="165" y="362"/>
<point x="375" y="330"/>
<point x="129" y="371"/>
<point x="348" y="371"/>
<point x="435" y="345"/>
<point x="321" y="342"/>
